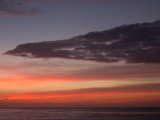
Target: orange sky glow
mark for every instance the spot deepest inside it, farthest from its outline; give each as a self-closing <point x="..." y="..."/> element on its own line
<point x="45" y="84"/>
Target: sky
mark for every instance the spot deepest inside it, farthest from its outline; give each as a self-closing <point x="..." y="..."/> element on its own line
<point x="58" y="82"/>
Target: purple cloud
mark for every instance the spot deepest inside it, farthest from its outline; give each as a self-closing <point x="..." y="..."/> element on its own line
<point x="16" y="7"/>
<point x="22" y="7"/>
<point x="135" y="43"/>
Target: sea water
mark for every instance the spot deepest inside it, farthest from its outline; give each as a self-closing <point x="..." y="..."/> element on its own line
<point x="81" y="114"/>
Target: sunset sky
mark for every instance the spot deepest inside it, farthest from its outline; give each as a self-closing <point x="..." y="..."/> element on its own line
<point x="69" y="83"/>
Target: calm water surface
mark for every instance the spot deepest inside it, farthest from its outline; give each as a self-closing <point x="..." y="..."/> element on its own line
<point x="80" y="114"/>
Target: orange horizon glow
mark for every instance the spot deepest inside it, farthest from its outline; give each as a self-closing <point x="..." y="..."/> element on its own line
<point x="71" y="86"/>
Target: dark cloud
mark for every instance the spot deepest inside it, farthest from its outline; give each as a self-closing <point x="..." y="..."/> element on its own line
<point x="136" y="43"/>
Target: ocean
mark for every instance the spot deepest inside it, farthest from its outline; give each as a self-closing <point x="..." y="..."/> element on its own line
<point x="81" y="114"/>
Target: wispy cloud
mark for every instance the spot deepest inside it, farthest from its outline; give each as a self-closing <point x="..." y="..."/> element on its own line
<point x="17" y="7"/>
<point x="114" y="91"/>
<point x="22" y="7"/>
<point x="133" y="95"/>
<point x="72" y="70"/>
